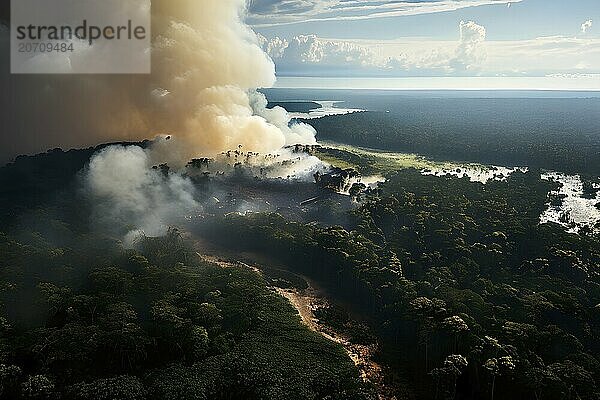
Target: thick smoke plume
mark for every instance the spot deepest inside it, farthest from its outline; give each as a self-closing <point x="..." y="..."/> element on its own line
<point x="206" y="65"/>
<point x="126" y="189"/>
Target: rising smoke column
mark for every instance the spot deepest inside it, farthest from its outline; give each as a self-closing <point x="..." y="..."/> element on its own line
<point x="125" y="190"/>
<point x="206" y="65"/>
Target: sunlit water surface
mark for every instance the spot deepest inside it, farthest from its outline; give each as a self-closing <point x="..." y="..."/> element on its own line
<point x="327" y="108"/>
<point x="574" y="212"/>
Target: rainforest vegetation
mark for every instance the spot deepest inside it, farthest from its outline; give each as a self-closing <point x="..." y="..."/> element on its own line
<point x="466" y="294"/>
<point x="471" y="297"/>
<point x="295" y="106"/>
<point x="82" y="317"/>
<point x="554" y="134"/>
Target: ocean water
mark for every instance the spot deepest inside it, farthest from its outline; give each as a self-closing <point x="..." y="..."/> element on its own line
<point x="581" y="83"/>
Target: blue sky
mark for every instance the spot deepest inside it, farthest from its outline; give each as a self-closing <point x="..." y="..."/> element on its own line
<point x="527" y="19"/>
<point x="452" y="38"/>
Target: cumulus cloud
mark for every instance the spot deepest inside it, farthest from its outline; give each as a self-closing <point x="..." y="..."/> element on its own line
<point x="310" y="54"/>
<point x="274" y="47"/>
<point x="299" y="55"/>
<point x="309" y="49"/>
<point x="586" y="25"/>
<point x="469" y="54"/>
<point x="279" y="12"/>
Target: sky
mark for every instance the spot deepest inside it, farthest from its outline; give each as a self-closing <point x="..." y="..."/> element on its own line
<point x="373" y="44"/>
<point x="554" y="39"/>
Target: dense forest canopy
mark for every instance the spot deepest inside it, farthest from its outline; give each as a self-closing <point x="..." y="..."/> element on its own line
<point x="567" y="147"/>
<point x="465" y="294"/>
<point x="84" y="317"/>
<point x="470" y="295"/>
<point x="551" y="130"/>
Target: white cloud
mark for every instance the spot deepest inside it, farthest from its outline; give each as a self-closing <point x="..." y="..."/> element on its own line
<point x="281" y="12"/>
<point x="274" y="47"/>
<point x="309" y="49"/>
<point x="309" y="53"/>
<point x="544" y="55"/>
<point x="586" y="25"/>
<point x="472" y="54"/>
<point x="469" y="54"/>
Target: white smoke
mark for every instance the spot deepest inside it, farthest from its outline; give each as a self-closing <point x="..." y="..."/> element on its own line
<point x="205" y="61"/>
<point x="294" y="132"/>
<point x="125" y="189"/>
<point x="206" y="65"/>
